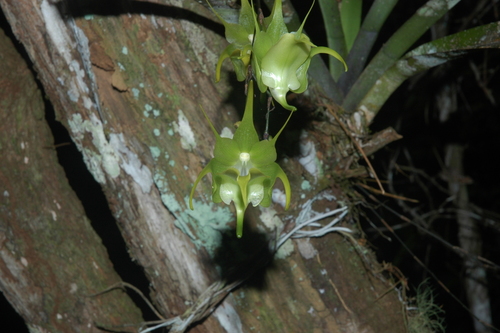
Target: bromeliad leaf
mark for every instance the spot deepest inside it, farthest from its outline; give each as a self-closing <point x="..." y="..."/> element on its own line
<point x="243" y="168"/>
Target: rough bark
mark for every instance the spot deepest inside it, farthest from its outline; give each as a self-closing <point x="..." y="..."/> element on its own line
<point x="51" y="259"/>
<point x="128" y="87"/>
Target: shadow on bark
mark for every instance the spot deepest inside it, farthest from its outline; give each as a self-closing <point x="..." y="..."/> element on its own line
<point x="81" y="8"/>
<point x="249" y="257"/>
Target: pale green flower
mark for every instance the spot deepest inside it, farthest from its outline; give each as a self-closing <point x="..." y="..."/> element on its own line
<point x="243" y="168"/>
<point x="280" y="59"/>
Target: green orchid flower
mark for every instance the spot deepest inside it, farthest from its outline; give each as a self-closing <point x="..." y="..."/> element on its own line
<point x="240" y="37"/>
<point x="243" y="168"/>
<point x="281" y="58"/>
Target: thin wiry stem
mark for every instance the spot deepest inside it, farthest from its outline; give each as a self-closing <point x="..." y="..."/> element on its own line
<point x="320" y="231"/>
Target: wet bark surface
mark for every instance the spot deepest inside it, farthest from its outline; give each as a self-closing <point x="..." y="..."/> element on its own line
<point x="128" y="83"/>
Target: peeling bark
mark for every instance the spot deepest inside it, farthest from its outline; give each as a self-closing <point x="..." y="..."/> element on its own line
<point x="128" y="87"/>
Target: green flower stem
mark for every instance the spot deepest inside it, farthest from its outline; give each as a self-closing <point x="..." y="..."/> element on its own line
<point x="395" y="47"/>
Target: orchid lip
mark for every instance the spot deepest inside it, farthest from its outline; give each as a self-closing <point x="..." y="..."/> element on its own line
<point x="256" y="194"/>
<point x="228" y="192"/>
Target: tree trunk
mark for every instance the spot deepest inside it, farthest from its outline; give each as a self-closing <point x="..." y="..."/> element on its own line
<point x="51" y="260"/>
<point x="128" y="83"/>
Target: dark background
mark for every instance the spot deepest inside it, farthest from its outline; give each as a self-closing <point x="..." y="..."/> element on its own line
<point x="413" y="111"/>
